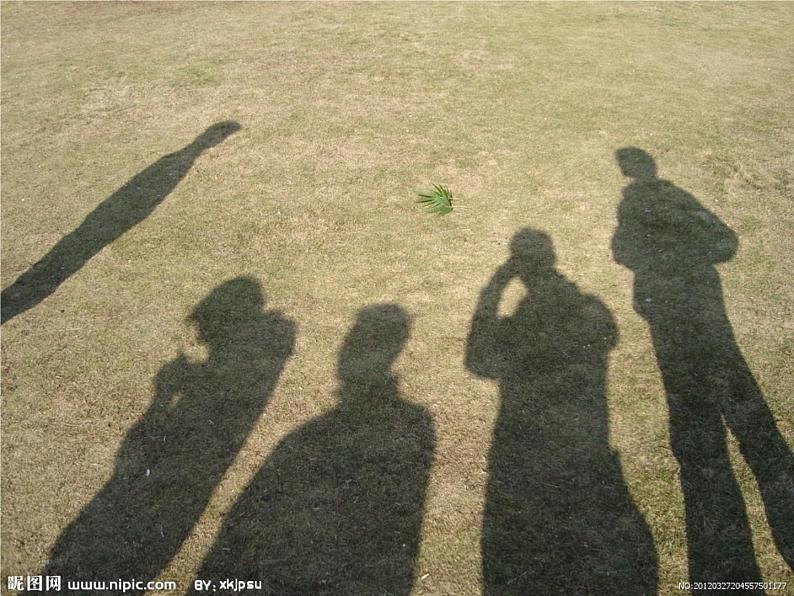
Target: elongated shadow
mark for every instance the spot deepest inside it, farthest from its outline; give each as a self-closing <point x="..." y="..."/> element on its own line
<point x="114" y="216"/>
<point x="173" y="458"/>
<point x="337" y="507"/>
<point x="672" y="243"/>
<point x="558" y="517"/>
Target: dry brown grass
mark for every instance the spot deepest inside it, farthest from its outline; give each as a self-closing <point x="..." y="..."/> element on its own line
<point x="345" y="111"/>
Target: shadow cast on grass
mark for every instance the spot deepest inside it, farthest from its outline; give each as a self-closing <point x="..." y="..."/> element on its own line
<point x="337" y="507"/>
<point x="114" y="216"/>
<point x="173" y="458"/>
<point x="671" y="243"/>
<point x="558" y="516"/>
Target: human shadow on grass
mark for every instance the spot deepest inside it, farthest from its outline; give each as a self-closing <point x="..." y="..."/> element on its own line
<point x="337" y="507"/>
<point x="114" y="216"/>
<point x="672" y="243"/>
<point x="558" y="516"/>
<point x="173" y="458"/>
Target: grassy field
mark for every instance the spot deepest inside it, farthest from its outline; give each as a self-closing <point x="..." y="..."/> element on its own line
<point x="234" y="345"/>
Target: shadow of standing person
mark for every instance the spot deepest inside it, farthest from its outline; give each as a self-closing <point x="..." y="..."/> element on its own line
<point x="671" y="243"/>
<point x="558" y="517"/>
<point x="114" y="216"/>
<point x="337" y="507"/>
<point x="173" y="458"/>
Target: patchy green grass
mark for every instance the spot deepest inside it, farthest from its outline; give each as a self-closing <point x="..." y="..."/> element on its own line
<point x="286" y="267"/>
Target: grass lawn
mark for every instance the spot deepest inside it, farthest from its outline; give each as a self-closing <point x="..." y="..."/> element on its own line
<point x="234" y="345"/>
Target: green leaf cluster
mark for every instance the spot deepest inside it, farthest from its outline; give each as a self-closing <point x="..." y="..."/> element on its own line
<point x="438" y="200"/>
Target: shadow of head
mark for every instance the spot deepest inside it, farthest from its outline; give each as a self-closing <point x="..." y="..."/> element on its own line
<point x="216" y="134"/>
<point x="374" y="342"/>
<point x="532" y="253"/>
<point x="636" y="163"/>
<point x="230" y="306"/>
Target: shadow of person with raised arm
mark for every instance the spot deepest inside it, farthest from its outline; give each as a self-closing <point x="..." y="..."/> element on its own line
<point x="114" y="216"/>
<point x="337" y="507"/>
<point x="173" y="458"/>
<point x="558" y="517"/>
<point x="672" y="244"/>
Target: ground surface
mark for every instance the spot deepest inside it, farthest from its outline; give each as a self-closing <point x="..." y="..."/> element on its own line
<point x="203" y="351"/>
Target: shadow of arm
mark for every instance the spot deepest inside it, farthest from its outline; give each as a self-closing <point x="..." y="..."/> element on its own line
<point x="481" y="348"/>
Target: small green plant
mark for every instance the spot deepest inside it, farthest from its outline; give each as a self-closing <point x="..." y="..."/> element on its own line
<point x="438" y="200"/>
